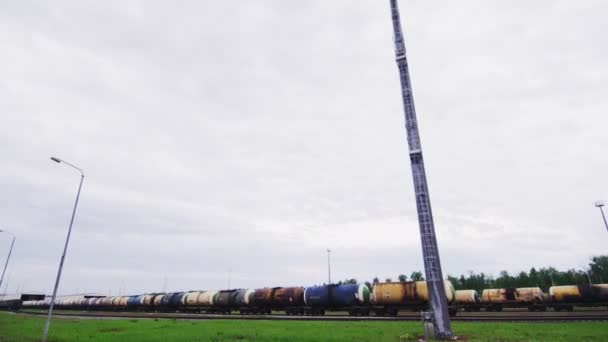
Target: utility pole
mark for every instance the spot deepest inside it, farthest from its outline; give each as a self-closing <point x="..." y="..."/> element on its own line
<point x="65" y="249"/>
<point x="430" y="252"/>
<point x="328" y="267"/>
<point x="10" y="251"/>
<point x="600" y="205"/>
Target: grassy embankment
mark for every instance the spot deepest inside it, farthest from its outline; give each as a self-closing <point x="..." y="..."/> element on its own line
<point x="25" y="328"/>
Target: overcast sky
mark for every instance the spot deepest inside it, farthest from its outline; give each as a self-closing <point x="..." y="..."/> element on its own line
<point x="246" y="137"/>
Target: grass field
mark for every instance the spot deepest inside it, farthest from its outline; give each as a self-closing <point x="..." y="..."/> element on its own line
<point x="25" y="328"/>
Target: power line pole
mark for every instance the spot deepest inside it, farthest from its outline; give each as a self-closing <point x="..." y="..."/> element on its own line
<point x="65" y="249"/>
<point x="10" y="251"/>
<point x="328" y="267"/>
<point x="600" y="205"/>
<point x="430" y="252"/>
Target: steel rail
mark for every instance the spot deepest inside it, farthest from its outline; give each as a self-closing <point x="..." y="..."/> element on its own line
<point x="413" y="317"/>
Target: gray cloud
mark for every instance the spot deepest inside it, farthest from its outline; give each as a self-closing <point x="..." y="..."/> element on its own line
<point x="251" y="136"/>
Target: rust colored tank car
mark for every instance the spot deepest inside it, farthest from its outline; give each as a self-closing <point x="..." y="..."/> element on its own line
<point x="288" y="296"/>
<point x="529" y="295"/>
<point x="466" y="297"/>
<point x="262" y="297"/>
<point x="498" y="296"/>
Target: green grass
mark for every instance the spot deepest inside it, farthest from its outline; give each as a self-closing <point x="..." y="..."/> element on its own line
<point x="25" y="328"/>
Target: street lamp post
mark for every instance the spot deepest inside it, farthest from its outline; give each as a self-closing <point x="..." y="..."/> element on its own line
<point x="65" y="248"/>
<point x="600" y="205"/>
<point x="9" y="255"/>
<point x="328" y="266"/>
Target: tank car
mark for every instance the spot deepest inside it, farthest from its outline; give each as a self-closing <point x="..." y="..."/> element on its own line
<point x="346" y="297"/>
<point x="388" y="298"/>
<point x="568" y="296"/>
<point x="467" y="300"/>
<point x="290" y="299"/>
<point x="260" y="301"/>
<point x="497" y="299"/>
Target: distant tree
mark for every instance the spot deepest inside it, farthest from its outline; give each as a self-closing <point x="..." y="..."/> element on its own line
<point x="455" y="281"/>
<point x="417" y="276"/>
<point x="368" y="284"/>
<point x="351" y="281"/>
<point x="462" y="282"/>
<point x="598" y="268"/>
<point x="402" y="277"/>
<point x="533" y="276"/>
<point x="388" y="280"/>
<point x="376" y="280"/>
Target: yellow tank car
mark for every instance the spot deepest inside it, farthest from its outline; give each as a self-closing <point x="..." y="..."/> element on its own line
<point x="422" y="291"/>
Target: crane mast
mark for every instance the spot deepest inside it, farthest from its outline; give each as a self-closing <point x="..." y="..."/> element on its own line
<point x="430" y="252"/>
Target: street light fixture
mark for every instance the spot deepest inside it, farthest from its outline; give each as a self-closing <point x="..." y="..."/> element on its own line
<point x="65" y="248"/>
<point x="600" y="204"/>
<point x="9" y="255"/>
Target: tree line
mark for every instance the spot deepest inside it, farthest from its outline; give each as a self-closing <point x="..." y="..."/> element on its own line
<point x="544" y="277"/>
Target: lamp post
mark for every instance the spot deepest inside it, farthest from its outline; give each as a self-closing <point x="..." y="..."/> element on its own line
<point x="600" y="205"/>
<point x="65" y="248"/>
<point x="328" y="266"/>
<point x="9" y="255"/>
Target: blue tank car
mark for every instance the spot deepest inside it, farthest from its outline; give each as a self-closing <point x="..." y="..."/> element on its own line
<point x="336" y="296"/>
<point x="134" y="301"/>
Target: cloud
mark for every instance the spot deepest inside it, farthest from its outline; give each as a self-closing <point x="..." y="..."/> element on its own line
<point x="251" y="137"/>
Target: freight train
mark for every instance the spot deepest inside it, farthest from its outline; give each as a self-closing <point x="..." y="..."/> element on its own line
<point x="357" y="299"/>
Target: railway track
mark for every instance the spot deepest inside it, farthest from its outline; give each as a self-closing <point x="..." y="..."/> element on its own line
<point x="477" y="317"/>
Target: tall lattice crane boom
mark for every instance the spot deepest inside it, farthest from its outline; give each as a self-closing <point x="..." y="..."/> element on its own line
<point x="430" y="252"/>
